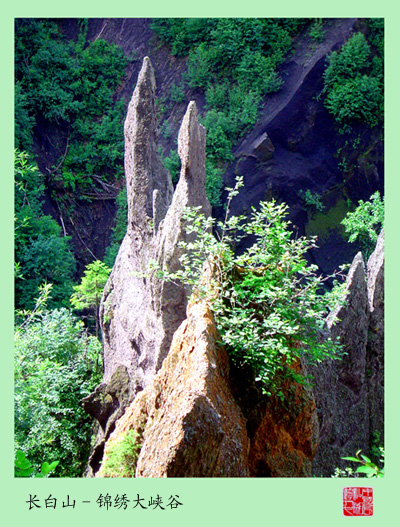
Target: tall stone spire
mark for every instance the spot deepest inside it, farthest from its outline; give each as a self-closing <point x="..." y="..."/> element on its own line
<point x="139" y="315"/>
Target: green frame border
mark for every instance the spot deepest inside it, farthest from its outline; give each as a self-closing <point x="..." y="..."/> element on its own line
<point x="313" y="501"/>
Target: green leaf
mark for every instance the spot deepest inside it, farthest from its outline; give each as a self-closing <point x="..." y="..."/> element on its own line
<point x="20" y="456"/>
<point x="53" y="465"/>
<point x="25" y="464"/>
<point x="27" y="472"/>
<point x="45" y="468"/>
<point x="366" y="470"/>
<point x="351" y="459"/>
<point x="365" y="458"/>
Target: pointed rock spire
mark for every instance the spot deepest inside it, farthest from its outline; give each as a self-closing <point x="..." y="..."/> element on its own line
<point x="145" y="174"/>
<point x="140" y="315"/>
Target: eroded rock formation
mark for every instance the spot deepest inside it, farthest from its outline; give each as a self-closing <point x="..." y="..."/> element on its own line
<point x="350" y="393"/>
<point x="286" y="438"/>
<point x="166" y="377"/>
<point x="282" y="431"/>
<point x="187" y="420"/>
<point x="188" y="423"/>
<point x="139" y="314"/>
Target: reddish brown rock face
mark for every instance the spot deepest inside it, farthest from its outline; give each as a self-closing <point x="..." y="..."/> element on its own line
<point x="285" y="441"/>
<point x="189" y="423"/>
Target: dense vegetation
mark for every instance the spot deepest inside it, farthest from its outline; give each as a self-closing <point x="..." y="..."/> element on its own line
<point x="87" y="294"/>
<point x="42" y="254"/>
<point x="71" y="85"/>
<point x="234" y="63"/>
<point x="353" y="79"/>
<point x="365" y="223"/>
<point x="56" y="364"/>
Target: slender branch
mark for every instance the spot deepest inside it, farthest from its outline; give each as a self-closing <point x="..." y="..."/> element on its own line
<point x="83" y="243"/>
<point x="63" y="157"/>
<point x="61" y="219"/>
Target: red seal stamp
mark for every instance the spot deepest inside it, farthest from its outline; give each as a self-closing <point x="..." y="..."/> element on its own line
<point x="358" y="501"/>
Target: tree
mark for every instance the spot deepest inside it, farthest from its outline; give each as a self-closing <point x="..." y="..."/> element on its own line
<point x="353" y="83"/>
<point x="89" y="292"/>
<point x="56" y="366"/>
<point x="365" y="223"/>
<point x="42" y="254"/>
<point x="72" y="85"/>
<point x="266" y="302"/>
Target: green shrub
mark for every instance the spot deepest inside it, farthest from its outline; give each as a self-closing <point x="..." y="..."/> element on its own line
<point x="243" y="110"/>
<point x="349" y="61"/>
<point x="366" y="468"/>
<point x="46" y="258"/>
<point x="182" y="34"/>
<point x="165" y="129"/>
<point x="214" y="184"/>
<point x="224" y="126"/>
<point x="354" y="90"/>
<point x="256" y="72"/>
<point x="356" y="99"/>
<point x="41" y="253"/>
<point x="177" y="92"/>
<point x="51" y="70"/>
<point x="266" y="301"/>
<point x="56" y="365"/>
<point x="316" y="30"/>
<point x="217" y="96"/>
<point x="312" y="200"/>
<point x="199" y="64"/>
<point x="121" y="458"/>
<point x="293" y="25"/>
<point x="219" y="142"/>
<point x="365" y="223"/>
<point x="87" y="294"/>
<point x="376" y="34"/>
<point x="71" y="85"/>
<point x="24" y="121"/>
<point x="23" y="467"/>
<point x="97" y="149"/>
<point x="173" y="165"/>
